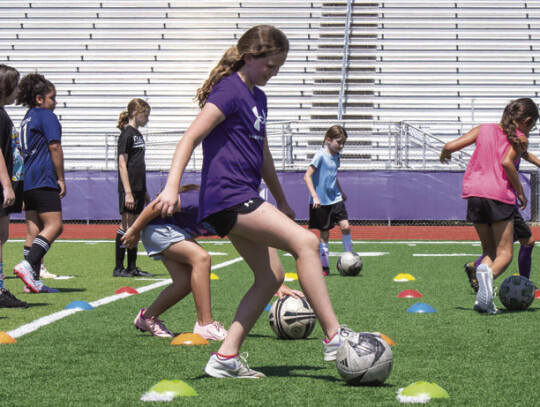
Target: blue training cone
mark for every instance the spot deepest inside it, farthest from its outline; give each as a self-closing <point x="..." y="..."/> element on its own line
<point x="268" y="307"/>
<point x="80" y="305"/>
<point x="421" y="308"/>
<point x="167" y="390"/>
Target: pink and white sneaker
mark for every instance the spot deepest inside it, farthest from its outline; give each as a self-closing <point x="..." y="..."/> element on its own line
<point x="153" y="325"/>
<point x="214" y="331"/>
<point x="24" y="271"/>
<point x="43" y="289"/>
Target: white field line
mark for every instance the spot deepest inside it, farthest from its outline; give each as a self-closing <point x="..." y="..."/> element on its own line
<point x="49" y="319"/>
<point x="446" y="255"/>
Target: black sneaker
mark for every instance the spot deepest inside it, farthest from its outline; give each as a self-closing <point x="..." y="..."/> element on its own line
<point x="137" y="272"/>
<point x="8" y="300"/>
<point x="121" y="273"/>
<point x="471" y="274"/>
<point x="326" y="271"/>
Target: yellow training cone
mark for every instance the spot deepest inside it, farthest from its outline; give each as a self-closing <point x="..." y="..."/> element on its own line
<point x="5" y="338"/>
<point x="291" y="276"/>
<point x="421" y="392"/>
<point x="401" y="277"/>
<point x="189" y="339"/>
<point x="167" y="390"/>
<point x="213" y="276"/>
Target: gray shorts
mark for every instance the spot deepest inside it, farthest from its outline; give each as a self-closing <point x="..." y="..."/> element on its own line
<point x="157" y="238"/>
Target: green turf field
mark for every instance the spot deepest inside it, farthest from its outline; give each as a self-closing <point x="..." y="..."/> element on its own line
<point x="97" y="357"/>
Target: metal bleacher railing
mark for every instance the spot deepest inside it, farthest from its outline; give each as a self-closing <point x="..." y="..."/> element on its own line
<point x="371" y="145"/>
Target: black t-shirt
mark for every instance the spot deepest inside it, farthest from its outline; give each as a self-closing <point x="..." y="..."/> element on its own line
<point x="131" y="142"/>
<point x="6" y="130"/>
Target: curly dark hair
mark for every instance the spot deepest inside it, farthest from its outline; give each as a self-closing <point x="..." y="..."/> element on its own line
<point x="33" y="85"/>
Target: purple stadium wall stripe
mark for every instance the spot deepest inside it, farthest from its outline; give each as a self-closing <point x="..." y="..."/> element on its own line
<point x="371" y="195"/>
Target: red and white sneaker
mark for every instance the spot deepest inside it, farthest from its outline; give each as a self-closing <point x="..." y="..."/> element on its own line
<point x="214" y="331"/>
<point x="24" y="271"/>
<point x="153" y="325"/>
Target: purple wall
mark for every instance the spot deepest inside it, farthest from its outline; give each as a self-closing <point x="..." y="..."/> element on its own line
<point x="372" y="195"/>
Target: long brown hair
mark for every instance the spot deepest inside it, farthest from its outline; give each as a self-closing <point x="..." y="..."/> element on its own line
<point x="135" y="105"/>
<point x="334" y="132"/>
<point x="259" y="41"/>
<point x="9" y="78"/>
<point x="516" y="112"/>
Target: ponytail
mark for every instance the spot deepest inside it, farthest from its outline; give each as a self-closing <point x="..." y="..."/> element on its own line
<point x="123" y="120"/>
<point x="230" y="62"/>
<point x="517" y="112"/>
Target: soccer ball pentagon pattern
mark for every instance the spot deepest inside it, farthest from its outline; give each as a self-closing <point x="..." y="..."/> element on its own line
<point x="349" y="264"/>
<point x="292" y="318"/>
<point x="364" y="360"/>
<point x="516" y="293"/>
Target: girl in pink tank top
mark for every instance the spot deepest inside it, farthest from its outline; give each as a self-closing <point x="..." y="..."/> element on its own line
<point x="491" y="185"/>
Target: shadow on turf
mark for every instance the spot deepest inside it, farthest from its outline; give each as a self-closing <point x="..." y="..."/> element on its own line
<point x="285" y="371"/>
<point x="501" y="310"/>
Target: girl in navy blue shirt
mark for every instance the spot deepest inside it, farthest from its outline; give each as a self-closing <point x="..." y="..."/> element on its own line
<point x="44" y="184"/>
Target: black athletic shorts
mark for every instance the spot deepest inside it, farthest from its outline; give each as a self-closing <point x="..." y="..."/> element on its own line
<point x="521" y="229"/>
<point x="484" y="210"/>
<point x="224" y="221"/>
<point x="327" y="216"/>
<point x="18" y="188"/>
<point x="138" y="199"/>
<point x="42" y="200"/>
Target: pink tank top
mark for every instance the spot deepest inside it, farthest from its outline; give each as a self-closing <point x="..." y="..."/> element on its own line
<point x="485" y="176"/>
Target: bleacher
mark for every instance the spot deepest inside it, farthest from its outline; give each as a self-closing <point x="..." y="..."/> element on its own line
<point x="439" y="66"/>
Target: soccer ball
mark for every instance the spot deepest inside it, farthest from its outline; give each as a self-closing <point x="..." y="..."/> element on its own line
<point x="516" y="293"/>
<point x="364" y="360"/>
<point x="349" y="264"/>
<point x="292" y="318"/>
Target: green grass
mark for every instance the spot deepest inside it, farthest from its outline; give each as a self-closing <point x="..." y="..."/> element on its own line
<point x="98" y="358"/>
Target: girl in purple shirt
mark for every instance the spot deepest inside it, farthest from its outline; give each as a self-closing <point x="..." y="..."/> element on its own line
<point x="232" y="127"/>
<point x="498" y="148"/>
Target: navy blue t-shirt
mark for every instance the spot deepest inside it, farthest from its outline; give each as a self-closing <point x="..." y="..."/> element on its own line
<point x="39" y="128"/>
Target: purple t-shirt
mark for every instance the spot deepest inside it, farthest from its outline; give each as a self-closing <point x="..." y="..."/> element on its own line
<point x="187" y="217"/>
<point x="233" y="151"/>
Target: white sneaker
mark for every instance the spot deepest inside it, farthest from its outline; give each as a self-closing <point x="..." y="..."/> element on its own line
<point x="214" y="331"/>
<point x="484" y="296"/>
<point x="236" y="367"/>
<point x="44" y="273"/>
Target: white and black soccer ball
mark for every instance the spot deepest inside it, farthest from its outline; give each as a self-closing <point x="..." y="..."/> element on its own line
<point x="516" y="293"/>
<point x="349" y="264"/>
<point x="364" y="360"/>
<point x="292" y="318"/>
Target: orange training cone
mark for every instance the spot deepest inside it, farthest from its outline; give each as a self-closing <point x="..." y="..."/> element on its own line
<point x="6" y="338"/>
<point x="189" y="339"/>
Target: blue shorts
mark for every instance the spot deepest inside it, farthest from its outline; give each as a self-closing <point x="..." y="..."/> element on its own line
<point x="157" y="238"/>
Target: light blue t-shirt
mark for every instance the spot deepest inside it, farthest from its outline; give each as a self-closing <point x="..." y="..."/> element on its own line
<point x="325" y="177"/>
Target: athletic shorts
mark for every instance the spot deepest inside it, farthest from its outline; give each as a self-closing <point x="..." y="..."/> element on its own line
<point x="484" y="210"/>
<point x="42" y="200"/>
<point x="224" y="221"/>
<point x="138" y="198"/>
<point x="521" y="229"/>
<point x="327" y="216"/>
<point x="157" y="238"/>
<point x="18" y="188"/>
